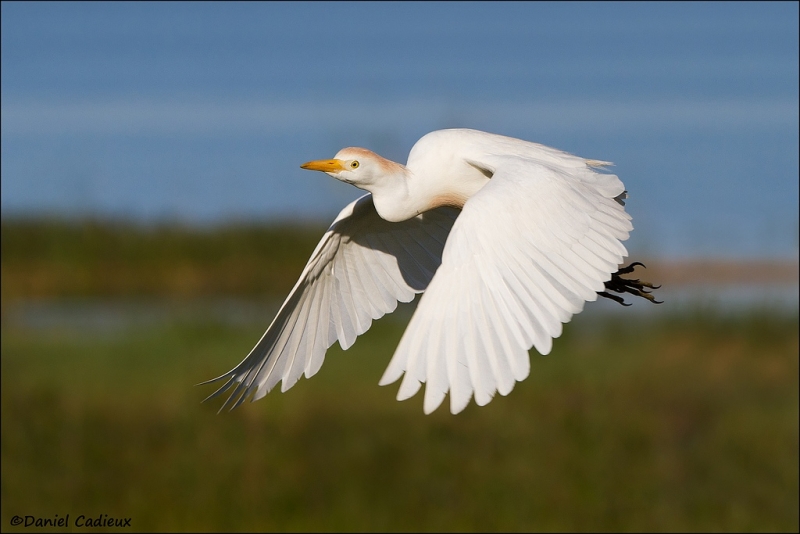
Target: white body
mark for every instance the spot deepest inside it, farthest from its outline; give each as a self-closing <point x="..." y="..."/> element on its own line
<point x="507" y="238"/>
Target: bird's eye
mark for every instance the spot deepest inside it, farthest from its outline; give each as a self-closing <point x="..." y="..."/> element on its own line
<point x="353" y="164"/>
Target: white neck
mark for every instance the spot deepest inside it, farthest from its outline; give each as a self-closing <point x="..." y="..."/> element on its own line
<point x="393" y="195"/>
<point x="403" y="193"/>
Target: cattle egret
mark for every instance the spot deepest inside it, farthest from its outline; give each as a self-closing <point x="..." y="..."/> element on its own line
<point x="507" y="239"/>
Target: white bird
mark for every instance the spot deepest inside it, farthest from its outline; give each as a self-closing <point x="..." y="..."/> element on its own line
<point x="507" y="239"/>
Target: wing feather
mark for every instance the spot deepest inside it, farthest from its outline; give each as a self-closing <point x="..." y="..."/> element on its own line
<point x="321" y="343"/>
<point x="358" y="272"/>
<point x="553" y="238"/>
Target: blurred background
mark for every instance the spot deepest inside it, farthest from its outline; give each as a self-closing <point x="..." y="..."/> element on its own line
<point x="154" y="215"/>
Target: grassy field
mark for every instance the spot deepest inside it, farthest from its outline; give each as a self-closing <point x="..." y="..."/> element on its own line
<point x="95" y="258"/>
<point x="667" y="422"/>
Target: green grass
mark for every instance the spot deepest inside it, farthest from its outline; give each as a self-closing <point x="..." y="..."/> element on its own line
<point x="680" y="423"/>
<point x="97" y="258"/>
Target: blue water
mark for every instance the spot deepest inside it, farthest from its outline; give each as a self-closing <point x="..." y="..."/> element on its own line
<point x="202" y="112"/>
<point x="107" y="316"/>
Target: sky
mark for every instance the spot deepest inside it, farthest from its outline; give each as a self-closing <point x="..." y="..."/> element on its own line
<point x="201" y="113"/>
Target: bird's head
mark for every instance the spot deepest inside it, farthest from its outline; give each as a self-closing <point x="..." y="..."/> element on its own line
<point x="357" y="166"/>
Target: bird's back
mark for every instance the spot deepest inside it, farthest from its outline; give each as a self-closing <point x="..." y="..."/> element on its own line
<point x="461" y="161"/>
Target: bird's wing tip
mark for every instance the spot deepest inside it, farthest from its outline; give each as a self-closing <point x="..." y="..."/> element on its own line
<point x="598" y="164"/>
<point x="220" y="377"/>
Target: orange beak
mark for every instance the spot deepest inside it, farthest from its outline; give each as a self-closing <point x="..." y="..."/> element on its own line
<point x="324" y="165"/>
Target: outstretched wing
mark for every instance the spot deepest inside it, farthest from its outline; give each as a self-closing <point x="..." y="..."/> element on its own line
<point x="536" y="242"/>
<point x="359" y="271"/>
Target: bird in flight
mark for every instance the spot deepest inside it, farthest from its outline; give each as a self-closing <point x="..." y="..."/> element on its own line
<point x="506" y="238"/>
